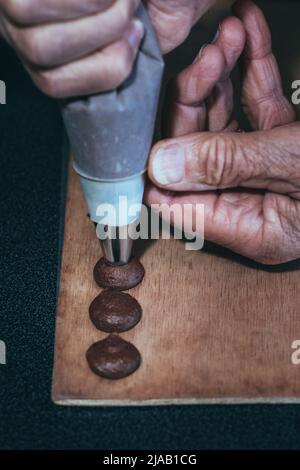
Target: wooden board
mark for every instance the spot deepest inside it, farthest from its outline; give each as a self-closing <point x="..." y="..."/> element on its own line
<point x="213" y="329"/>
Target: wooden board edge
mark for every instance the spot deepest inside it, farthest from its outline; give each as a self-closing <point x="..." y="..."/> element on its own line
<point x="171" y="402"/>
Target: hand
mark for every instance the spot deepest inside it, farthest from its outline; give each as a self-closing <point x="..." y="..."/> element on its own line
<point x="174" y="19"/>
<point x="76" y="47"/>
<point x="259" y="217"/>
<point x="73" y="47"/>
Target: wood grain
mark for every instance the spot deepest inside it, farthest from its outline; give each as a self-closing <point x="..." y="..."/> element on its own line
<point x="213" y="329"/>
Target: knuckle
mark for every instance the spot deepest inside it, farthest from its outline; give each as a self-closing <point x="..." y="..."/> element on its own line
<point x="269" y="257"/>
<point x="48" y="84"/>
<point x="126" y="11"/>
<point x="217" y="161"/>
<point x="276" y="112"/>
<point x="122" y="66"/>
<point x="31" y="46"/>
<point x="19" y="10"/>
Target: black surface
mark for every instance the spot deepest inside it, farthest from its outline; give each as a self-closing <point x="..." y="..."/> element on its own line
<point x="31" y="202"/>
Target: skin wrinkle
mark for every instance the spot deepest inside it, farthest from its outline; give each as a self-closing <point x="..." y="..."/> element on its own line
<point x="274" y="95"/>
<point x="234" y="160"/>
<point x="289" y="211"/>
<point x="219" y="216"/>
<point x="194" y="13"/>
<point x="262" y="166"/>
<point x="278" y="233"/>
<point x="267" y="242"/>
<point x="227" y="168"/>
<point x="234" y="219"/>
<point x="265" y="73"/>
<point x="281" y="160"/>
<point x="212" y="161"/>
<point x="175" y="18"/>
<point x="161" y="15"/>
<point x="262" y="113"/>
<point x="258" y="34"/>
<point x="261" y="52"/>
<point x="278" y="112"/>
<point x="278" y="186"/>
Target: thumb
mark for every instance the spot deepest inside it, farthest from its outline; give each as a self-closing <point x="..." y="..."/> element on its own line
<point x="207" y="161"/>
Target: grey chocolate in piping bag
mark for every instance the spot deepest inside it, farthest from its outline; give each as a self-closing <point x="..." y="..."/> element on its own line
<point x="111" y="133"/>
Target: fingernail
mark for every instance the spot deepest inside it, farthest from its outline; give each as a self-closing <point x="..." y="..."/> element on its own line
<point x="168" y="164"/>
<point x="135" y="33"/>
<point x="200" y="53"/>
<point x="217" y="35"/>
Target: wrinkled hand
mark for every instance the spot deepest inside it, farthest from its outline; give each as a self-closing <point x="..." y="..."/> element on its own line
<point x="79" y="47"/>
<point x="259" y="217"/>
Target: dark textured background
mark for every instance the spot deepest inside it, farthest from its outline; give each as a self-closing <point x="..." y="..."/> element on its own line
<point x="32" y="182"/>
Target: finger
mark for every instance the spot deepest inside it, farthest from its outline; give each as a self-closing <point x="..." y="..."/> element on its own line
<point x="231" y="41"/>
<point x="186" y="111"/>
<point x="205" y="161"/>
<point x="233" y="126"/>
<point x="101" y="71"/>
<point x="220" y="106"/>
<point x="195" y="83"/>
<point x="59" y="43"/>
<point x="231" y="219"/>
<point x="29" y="12"/>
<point x="262" y="96"/>
<point x="253" y="224"/>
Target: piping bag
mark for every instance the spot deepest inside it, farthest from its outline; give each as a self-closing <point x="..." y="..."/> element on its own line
<point x="111" y="136"/>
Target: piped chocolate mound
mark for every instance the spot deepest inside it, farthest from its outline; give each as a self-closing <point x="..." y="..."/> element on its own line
<point x="113" y="358"/>
<point x="118" y="277"/>
<point x="115" y="312"/>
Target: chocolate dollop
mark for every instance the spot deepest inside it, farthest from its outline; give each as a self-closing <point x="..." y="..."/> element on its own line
<point x="118" y="277"/>
<point x="115" y="312"/>
<point x="113" y="358"/>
